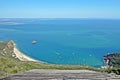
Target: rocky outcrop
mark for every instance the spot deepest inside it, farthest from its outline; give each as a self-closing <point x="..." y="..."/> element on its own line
<point x="112" y="60"/>
<point x="7" y="48"/>
<point x="62" y="75"/>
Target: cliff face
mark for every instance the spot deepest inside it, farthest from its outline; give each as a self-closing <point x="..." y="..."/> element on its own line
<point x="7" y="48"/>
<point x="112" y="60"/>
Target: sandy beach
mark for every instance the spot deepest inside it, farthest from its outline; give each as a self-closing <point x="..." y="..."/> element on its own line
<point x="22" y="56"/>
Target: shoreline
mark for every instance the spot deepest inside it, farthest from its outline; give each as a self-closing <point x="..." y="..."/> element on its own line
<point x="21" y="56"/>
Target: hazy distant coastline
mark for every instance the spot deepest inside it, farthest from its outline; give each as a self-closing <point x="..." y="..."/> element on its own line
<point x="64" y="41"/>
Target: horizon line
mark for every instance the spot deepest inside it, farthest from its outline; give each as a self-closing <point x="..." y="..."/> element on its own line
<point x="51" y="18"/>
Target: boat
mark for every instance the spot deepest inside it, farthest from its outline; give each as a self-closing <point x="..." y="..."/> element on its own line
<point x="34" y="42"/>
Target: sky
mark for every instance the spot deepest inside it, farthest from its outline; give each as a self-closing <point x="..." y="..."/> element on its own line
<point x="60" y="9"/>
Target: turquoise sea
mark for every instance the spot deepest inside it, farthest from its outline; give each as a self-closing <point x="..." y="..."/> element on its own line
<point x="64" y="41"/>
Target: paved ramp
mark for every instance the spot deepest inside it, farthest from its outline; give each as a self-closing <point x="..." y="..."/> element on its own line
<point x="62" y="75"/>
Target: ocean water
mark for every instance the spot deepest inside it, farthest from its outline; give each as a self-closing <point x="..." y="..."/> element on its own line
<point x="64" y="41"/>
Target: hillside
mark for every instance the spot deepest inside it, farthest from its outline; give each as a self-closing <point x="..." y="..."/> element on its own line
<point x="112" y="60"/>
<point x="11" y="64"/>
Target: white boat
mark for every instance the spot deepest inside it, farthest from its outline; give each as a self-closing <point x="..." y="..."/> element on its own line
<point x="34" y="42"/>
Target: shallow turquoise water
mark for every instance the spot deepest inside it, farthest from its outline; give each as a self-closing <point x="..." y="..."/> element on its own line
<point x="64" y="41"/>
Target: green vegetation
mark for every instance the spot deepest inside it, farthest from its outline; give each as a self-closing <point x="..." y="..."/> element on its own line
<point x="113" y="60"/>
<point x="11" y="66"/>
<point x="113" y="63"/>
<point x="6" y="48"/>
<point x="113" y="70"/>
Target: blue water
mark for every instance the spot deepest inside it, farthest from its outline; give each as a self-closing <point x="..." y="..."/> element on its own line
<point x="64" y="41"/>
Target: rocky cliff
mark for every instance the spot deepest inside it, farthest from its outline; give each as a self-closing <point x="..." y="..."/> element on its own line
<point x="112" y="60"/>
<point x="7" y="48"/>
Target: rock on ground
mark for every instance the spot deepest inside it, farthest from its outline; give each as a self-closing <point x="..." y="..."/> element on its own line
<point x="62" y="75"/>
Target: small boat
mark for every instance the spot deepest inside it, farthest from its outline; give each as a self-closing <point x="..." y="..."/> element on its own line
<point x="34" y="42"/>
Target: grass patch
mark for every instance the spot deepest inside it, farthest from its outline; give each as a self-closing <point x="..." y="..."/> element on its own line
<point x="11" y="66"/>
